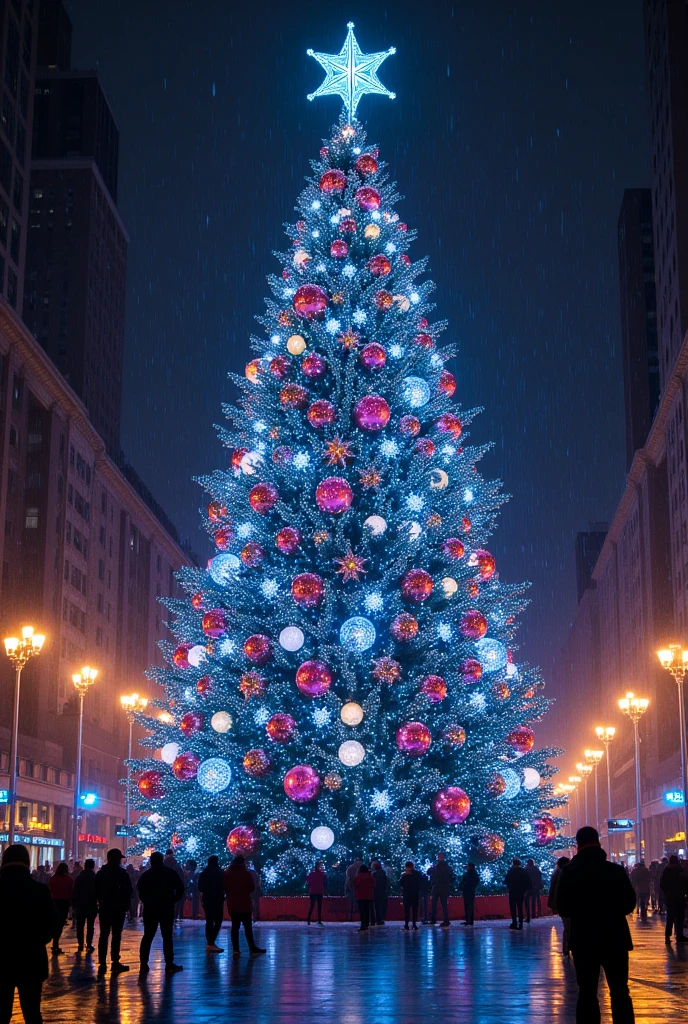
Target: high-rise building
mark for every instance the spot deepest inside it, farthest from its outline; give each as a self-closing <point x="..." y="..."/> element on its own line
<point x="588" y="547"/>
<point x="77" y="253"/>
<point x="639" y="353"/>
<point x="666" y="48"/>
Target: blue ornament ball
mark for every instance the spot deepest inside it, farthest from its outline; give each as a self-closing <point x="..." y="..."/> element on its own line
<point x="214" y="775"/>
<point x="491" y="654"/>
<point x="415" y="391"/>
<point x="357" y="633"/>
<point x="223" y="568"/>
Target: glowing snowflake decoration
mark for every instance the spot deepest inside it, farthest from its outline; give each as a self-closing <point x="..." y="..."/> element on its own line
<point x="511" y="670"/>
<point x="359" y="317"/>
<point x="270" y="875"/>
<point x="351" y="74"/>
<point x="316" y="204"/>
<point x="415" y="502"/>
<point x="275" y="339"/>
<point x="448" y="450"/>
<point x="349" y="270"/>
<point x="321" y="268"/>
<point x="226" y="648"/>
<point x="486" y="875"/>
<point x="288" y="292"/>
<point x="374" y="601"/>
<point x="444" y="631"/>
<point x="315" y="234"/>
<point x="332" y="326"/>
<point x="375" y="215"/>
<point x="478" y="701"/>
<point x="269" y="588"/>
<point x="396" y="351"/>
<point x="380" y="800"/>
<point x="191" y="845"/>
<point x="436" y="360"/>
<point x="468" y="495"/>
<point x="244" y="530"/>
<point x="334" y="219"/>
<point x="389" y="448"/>
<point x="261" y="716"/>
<point x="190" y="695"/>
<point x="301" y="460"/>
<point x="321" y="717"/>
<point x="259" y="426"/>
<point x="415" y="298"/>
<point x="390" y="248"/>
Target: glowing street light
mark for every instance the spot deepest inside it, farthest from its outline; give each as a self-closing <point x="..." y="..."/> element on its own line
<point x="131" y="703"/>
<point x="82" y="683"/>
<point x="675" y="660"/>
<point x="19" y="652"/>
<point x="594" y="757"/>
<point x="586" y="771"/>
<point x="606" y="734"/>
<point x="635" y="707"/>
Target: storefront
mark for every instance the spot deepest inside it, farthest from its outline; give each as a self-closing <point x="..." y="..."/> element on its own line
<point x="42" y="849"/>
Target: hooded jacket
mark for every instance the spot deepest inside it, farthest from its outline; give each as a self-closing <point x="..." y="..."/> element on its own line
<point x="596" y="896"/>
<point x="29" y="922"/>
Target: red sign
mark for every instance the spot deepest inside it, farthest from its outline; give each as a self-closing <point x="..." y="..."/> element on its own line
<point x="86" y="837"/>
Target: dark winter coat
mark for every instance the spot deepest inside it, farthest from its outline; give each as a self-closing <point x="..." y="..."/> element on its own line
<point x="517" y="881"/>
<point x="596" y="896"/>
<point x="61" y="887"/>
<point x="211" y="885"/>
<point x="29" y="922"/>
<point x="160" y="888"/>
<point x="239" y="885"/>
<point x="553" y="886"/>
<point x="535" y="876"/>
<point x="85" y="892"/>
<point x="317" y="883"/>
<point x="410" y="886"/>
<point x="641" y="880"/>
<point x="441" y="878"/>
<point x="381" y="881"/>
<point x="173" y="863"/>
<point x="113" y="889"/>
<point x="674" y="883"/>
<point x="470" y="881"/>
<point x="364" y="886"/>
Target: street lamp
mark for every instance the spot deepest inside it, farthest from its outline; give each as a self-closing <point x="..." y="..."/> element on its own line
<point x="575" y="781"/>
<point x="586" y="771"/>
<point x="19" y="652"/>
<point x="675" y="660"/>
<point x="131" y="703"/>
<point x="593" y="757"/>
<point x="82" y="682"/>
<point x="635" y="708"/>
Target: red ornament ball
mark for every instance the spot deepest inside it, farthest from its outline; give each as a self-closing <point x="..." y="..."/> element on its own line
<point x="302" y="784"/>
<point x="324" y="152"/>
<point x="280" y="367"/>
<point x="424" y="446"/>
<point x="373" y="356"/>
<point x="455" y="734"/>
<point x="321" y="414"/>
<point x="384" y="300"/>
<point x="282" y="454"/>
<point x="473" y="625"/>
<point x="185" y="766"/>
<point x="214" y="623"/>
<point x="347" y="225"/>
<point x="339" y="249"/>
<point x="258" y="649"/>
<point x="454" y="547"/>
<point x="491" y="846"/>
<point x="409" y="426"/>
<point x="405" y="259"/>
<point x="223" y="537"/>
<point x="243" y="841"/>
<point x="372" y="413"/>
<point x="307" y="589"/>
<point x="256" y="763"/>
<point x="404" y="627"/>
<point x="313" y="678"/>
<point x="471" y="670"/>
<point x="434" y="688"/>
<point x="333" y="180"/>
<point x="545" y="830"/>
<point x="280" y="728"/>
<point x="496" y="785"/>
<point x="216" y="511"/>
<point x="416" y="586"/>
<point x="293" y="396"/>
<point x="521" y="739"/>
<point x="424" y="340"/>
<point x="197" y="601"/>
<point x="180" y="657"/>
<point x="204" y="686"/>
<point x="366" y="164"/>
<point x="252" y="554"/>
<point x="237" y="456"/>
<point x="447" y="383"/>
<point x="310" y="301"/>
<point x="150" y="785"/>
<point x="287" y="540"/>
<point x="379" y="266"/>
<point x="451" y="806"/>
<point x="313" y="366"/>
<point x="413" y="738"/>
<point x="484" y="562"/>
<point x="262" y="498"/>
<point x="333" y="495"/>
<point x="449" y="424"/>
<point x="368" y="198"/>
<point x="191" y="722"/>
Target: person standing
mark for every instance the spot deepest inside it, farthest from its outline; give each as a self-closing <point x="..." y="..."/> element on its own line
<point x="655" y="872"/>
<point x="212" y="890"/>
<point x="29" y="922"/>
<point x="518" y="884"/>
<point x="641" y="880"/>
<point x="364" y="891"/>
<point x="239" y="885"/>
<point x="255" y="895"/>
<point x="469" y="882"/>
<point x="661" y="905"/>
<point x="554" y="906"/>
<point x="160" y="890"/>
<point x="597" y="896"/>
<point x="191" y="885"/>
<point x="351" y="873"/>
<point x="410" y="883"/>
<point x="381" y="889"/>
<point x="85" y="905"/>
<point x="113" y="892"/>
<point x="133" y="912"/>
<point x="61" y="889"/>
<point x="317" y="887"/>
<point x="441" y="881"/>
<point x="171" y="862"/>
<point x="533" y="902"/>
<point x="673" y="883"/>
<point x="424" y="898"/>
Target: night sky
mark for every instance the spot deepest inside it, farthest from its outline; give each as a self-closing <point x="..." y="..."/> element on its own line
<point x="515" y="131"/>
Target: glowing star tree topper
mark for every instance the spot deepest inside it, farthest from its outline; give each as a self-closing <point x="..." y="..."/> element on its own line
<point x="351" y="74"/>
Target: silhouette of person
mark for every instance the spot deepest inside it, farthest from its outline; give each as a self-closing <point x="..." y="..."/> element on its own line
<point x="597" y="896"/>
<point x="171" y="861"/>
<point x="410" y="883"/>
<point x="85" y="905"/>
<point x="61" y="888"/>
<point x="441" y="880"/>
<point x="381" y="888"/>
<point x="517" y="882"/>
<point x="113" y="892"/>
<point x="533" y="902"/>
<point x="239" y="886"/>
<point x="469" y="882"/>
<point x="160" y="890"/>
<point x="29" y="922"/>
<point x="674" y="887"/>
<point x="211" y="886"/>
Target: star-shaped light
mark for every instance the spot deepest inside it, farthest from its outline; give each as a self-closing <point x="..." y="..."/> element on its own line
<point x="337" y="452"/>
<point x="351" y="566"/>
<point x="386" y="670"/>
<point x="370" y="478"/>
<point x="350" y="73"/>
<point x="348" y="340"/>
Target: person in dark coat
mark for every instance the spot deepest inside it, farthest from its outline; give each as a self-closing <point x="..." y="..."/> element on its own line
<point x="212" y="889"/>
<point x="641" y="880"/>
<point x="317" y="887"/>
<point x="171" y="861"/>
<point x="160" y="890"/>
<point x="381" y="890"/>
<point x="673" y="883"/>
<point x="554" y="906"/>
<point x="239" y="885"/>
<point x="29" y="922"/>
<point x="85" y="905"/>
<point x="597" y="896"/>
<point x="468" y="883"/>
<point x="410" y="883"/>
<point x="441" y="881"/>
<point x="61" y="889"/>
<point x="113" y="891"/>
<point x="518" y="884"/>
<point x="351" y="873"/>
<point x="364" y="891"/>
<point x="133" y="911"/>
<point x="191" y="886"/>
<point x="533" y="902"/>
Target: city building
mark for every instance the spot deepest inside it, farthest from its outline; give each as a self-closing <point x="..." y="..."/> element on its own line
<point x="84" y="559"/>
<point x="639" y="354"/>
<point x="76" y="260"/>
<point x="588" y="547"/>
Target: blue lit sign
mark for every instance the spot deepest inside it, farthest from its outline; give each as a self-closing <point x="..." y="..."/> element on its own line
<point x="674" y="797"/>
<point x="4" y="796"/>
<point x="620" y="825"/>
<point x="88" y="799"/>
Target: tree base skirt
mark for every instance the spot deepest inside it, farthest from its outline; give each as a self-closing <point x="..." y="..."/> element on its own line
<point x="336" y="908"/>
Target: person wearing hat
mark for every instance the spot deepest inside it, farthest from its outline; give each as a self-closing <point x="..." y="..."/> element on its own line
<point x="597" y="896"/>
<point x="113" y="892"/>
<point x="30" y="921"/>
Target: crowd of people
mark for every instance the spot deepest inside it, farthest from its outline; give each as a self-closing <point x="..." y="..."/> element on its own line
<point x="592" y="896"/>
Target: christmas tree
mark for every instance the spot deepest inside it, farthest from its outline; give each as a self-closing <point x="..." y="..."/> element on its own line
<point x="344" y="676"/>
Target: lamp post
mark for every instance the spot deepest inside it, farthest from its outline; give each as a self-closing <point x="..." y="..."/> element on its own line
<point x="675" y="660"/>
<point x="131" y="703"/>
<point x="82" y="683"/>
<point x="586" y="771"/>
<point x="575" y="781"/>
<point x="593" y="757"/>
<point x="19" y="652"/>
<point x="635" y="708"/>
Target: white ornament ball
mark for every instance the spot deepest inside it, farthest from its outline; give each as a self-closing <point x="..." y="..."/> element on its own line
<point x="221" y="721"/>
<point x="196" y="655"/>
<point x="531" y="779"/>
<point x="214" y="775"/>
<point x="250" y="463"/>
<point x="223" y="568"/>
<point x="169" y="752"/>
<point x="438" y="479"/>
<point x="376" y="524"/>
<point x="291" y="638"/>
<point x="449" y="586"/>
<point x="351" y="753"/>
<point x="296" y="345"/>
<point x="322" y="837"/>
<point x="352" y="713"/>
<point x="513" y="783"/>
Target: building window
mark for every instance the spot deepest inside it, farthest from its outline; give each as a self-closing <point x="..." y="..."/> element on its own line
<point x="14" y="436"/>
<point x="15" y="238"/>
<point x="66" y="572"/>
<point x="17" y="391"/>
<point x="31" y="519"/>
<point x="18" y="192"/>
<point x="12" y="287"/>
<point x="101" y="569"/>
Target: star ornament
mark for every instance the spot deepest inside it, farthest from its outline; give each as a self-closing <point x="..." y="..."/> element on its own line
<point x="337" y="452"/>
<point x="351" y="566"/>
<point x="351" y="74"/>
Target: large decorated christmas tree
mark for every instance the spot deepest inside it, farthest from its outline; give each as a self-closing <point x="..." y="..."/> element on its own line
<point x="345" y="676"/>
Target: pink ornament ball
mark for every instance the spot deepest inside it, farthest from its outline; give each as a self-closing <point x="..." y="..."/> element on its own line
<point x="256" y="763"/>
<point x="379" y="266"/>
<point x="293" y="396"/>
<point x="309" y="301"/>
<point x="280" y="367"/>
<point x="307" y="589"/>
<point x="366" y="164"/>
<point x="339" y="249"/>
<point x="302" y="784"/>
<point x="449" y="424"/>
<point x="280" y="728"/>
<point x="413" y="738"/>
<point x="424" y="446"/>
<point x="191" y="722"/>
<point x="484" y="562"/>
<point x="409" y="426"/>
<point x="347" y="225"/>
<point x="404" y="627"/>
<point x="373" y="356"/>
<point x="258" y="649"/>
<point x="471" y="670"/>
<point x="150" y="785"/>
<point x="545" y="830"/>
<point x="521" y="739"/>
<point x="451" y="806"/>
<point x="313" y="366"/>
<point x="223" y="537"/>
<point x="313" y="678"/>
<point x="180" y="657"/>
<point x="321" y="414"/>
<point x="416" y="585"/>
<point x="252" y="554"/>
<point x="333" y="181"/>
<point x="214" y="623"/>
<point x="288" y="540"/>
<point x="454" y="548"/>
<point x="333" y="495"/>
<point x="447" y="383"/>
<point x="434" y="688"/>
<point x="185" y="766"/>
<point x="473" y="624"/>
<point x="262" y="498"/>
<point x="368" y="198"/>
<point x="372" y="413"/>
<point x="243" y="841"/>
